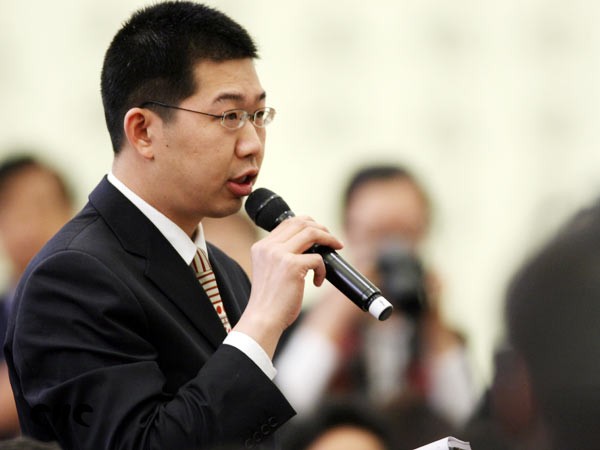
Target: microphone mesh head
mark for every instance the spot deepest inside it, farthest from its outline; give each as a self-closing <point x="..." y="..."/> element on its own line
<point x="265" y="208"/>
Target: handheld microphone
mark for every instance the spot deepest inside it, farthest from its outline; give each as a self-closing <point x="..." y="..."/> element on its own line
<point x="268" y="210"/>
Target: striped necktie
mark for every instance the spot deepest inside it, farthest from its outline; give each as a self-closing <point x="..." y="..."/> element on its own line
<point x="206" y="277"/>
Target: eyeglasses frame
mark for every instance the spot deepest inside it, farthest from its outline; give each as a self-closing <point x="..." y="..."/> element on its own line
<point x="247" y="116"/>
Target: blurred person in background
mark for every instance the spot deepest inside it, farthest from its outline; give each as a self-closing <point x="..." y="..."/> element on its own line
<point x="235" y="235"/>
<point x="25" y="443"/>
<point x="347" y="424"/>
<point x="413" y="358"/>
<point x="34" y="203"/>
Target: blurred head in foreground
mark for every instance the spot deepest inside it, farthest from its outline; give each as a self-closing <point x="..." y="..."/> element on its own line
<point x="553" y="312"/>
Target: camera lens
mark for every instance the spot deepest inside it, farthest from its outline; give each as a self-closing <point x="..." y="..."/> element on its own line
<point x="402" y="278"/>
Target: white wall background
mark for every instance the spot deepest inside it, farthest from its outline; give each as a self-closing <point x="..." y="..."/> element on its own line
<point x="495" y="104"/>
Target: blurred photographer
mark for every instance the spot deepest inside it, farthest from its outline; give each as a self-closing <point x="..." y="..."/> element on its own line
<point x="402" y="277"/>
<point x="412" y="360"/>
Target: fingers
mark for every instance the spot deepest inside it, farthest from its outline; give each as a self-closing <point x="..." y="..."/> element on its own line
<point x="300" y="233"/>
<point x="319" y="271"/>
<point x="296" y="235"/>
<point x="280" y="266"/>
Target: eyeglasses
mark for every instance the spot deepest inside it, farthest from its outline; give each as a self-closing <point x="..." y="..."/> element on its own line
<point x="232" y="119"/>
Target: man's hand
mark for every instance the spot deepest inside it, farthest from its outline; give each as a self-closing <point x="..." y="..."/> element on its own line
<point x="279" y="269"/>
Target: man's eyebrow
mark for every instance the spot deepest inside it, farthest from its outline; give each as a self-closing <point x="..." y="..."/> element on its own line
<point x="236" y="97"/>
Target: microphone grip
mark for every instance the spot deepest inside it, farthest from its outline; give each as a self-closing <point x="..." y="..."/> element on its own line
<point x="338" y="272"/>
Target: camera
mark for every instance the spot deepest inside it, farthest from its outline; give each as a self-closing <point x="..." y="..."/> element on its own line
<point x="402" y="278"/>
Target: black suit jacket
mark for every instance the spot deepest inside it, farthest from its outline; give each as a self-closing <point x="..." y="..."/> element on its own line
<point x="113" y="344"/>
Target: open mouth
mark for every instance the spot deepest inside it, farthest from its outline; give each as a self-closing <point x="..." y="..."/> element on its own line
<point x="242" y="180"/>
<point x="246" y="179"/>
<point x="242" y="186"/>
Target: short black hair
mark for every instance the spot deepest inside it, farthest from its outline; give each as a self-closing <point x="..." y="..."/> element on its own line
<point x="552" y="314"/>
<point x="153" y="55"/>
<point x="382" y="172"/>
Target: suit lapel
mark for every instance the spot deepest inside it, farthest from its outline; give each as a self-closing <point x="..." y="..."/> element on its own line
<point x="164" y="266"/>
<point x="178" y="282"/>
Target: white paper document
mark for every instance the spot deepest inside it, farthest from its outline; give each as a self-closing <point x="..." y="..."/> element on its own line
<point x="448" y="443"/>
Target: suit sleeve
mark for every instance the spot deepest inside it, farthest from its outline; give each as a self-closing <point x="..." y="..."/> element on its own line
<point x="88" y="373"/>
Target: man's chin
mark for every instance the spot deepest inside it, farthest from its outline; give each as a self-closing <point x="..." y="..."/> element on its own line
<point x="233" y="207"/>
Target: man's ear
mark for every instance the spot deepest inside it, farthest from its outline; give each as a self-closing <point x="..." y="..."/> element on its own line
<point x="140" y="126"/>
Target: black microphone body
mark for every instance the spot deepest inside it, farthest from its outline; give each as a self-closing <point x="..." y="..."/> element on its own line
<point x="268" y="210"/>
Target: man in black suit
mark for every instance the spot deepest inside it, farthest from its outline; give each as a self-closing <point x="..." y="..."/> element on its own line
<point x="113" y="343"/>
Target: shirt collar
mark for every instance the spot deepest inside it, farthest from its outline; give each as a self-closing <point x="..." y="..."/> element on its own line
<point x="180" y="241"/>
